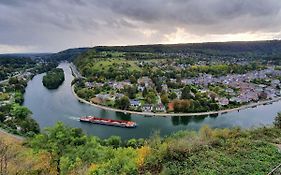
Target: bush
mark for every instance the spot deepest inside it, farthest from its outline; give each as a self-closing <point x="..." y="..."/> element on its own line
<point x="277" y="121"/>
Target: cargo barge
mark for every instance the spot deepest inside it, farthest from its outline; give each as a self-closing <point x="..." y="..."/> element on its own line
<point x="109" y="122"/>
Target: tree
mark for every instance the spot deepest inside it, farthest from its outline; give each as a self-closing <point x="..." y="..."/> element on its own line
<point x="150" y="97"/>
<point x="144" y="92"/>
<point x="277" y="121"/>
<point x="13" y="80"/>
<point x="57" y="141"/>
<point x="164" y="99"/>
<point x="29" y="126"/>
<point x="86" y="93"/>
<point x="133" y="79"/>
<point x="19" y="97"/>
<point x="2" y="117"/>
<point x="263" y="95"/>
<point x="123" y="102"/>
<point x="114" y="141"/>
<point x="130" y="91"/>
<point x="132" y="143"/>
<point x="20" y="112"/>
<point x="186" y="93"/>
<point x="173" y="96"/>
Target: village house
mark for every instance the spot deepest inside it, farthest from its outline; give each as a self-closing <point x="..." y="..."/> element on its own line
<point x="146" y="81"/>
<point x="147" y="108"/>
<point x="104" y="97"/>
<point x="141" y="88"/>
<point x="223" y="101"/>
<point x="160" y="108"/>
<point x="165" y="88"/>
<point x="135" y="103"/>
<point x="178" y="92"/>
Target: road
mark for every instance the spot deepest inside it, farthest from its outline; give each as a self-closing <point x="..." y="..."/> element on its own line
<point x="75" y="71"/>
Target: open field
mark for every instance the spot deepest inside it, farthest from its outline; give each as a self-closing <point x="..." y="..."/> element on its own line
<point x="104" y="65"/>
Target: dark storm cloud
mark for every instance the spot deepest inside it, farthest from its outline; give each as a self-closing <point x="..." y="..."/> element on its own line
<point x="51" y="25"/>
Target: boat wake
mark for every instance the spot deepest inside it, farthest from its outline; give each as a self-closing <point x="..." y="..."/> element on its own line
<point x="74" y="118"/>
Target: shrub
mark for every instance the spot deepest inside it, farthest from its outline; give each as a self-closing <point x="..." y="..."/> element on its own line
<point x="277" y="121"/>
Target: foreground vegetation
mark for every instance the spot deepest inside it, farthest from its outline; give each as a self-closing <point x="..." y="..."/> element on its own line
<point x="54" y="78"/>
<point x="65" y="150"/>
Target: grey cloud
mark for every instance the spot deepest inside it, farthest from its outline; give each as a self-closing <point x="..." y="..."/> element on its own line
<point x="194" y="12"/>
<point x="51" y="25"/>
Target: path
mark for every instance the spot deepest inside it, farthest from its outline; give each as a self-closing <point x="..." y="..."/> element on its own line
<point x="3" y="132"/>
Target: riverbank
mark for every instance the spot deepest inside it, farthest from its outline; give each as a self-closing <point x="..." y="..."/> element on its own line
<point x="175" y="114"/>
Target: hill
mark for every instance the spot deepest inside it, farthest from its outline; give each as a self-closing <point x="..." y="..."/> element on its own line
<point x="270" y="48"/>
<point x="68" y="54"/>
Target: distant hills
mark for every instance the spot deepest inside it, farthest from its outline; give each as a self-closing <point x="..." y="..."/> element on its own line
<point x="254" y="49"/>
<point x="68" y="54"/>
<point x="270" y="48"/>
<point x="24" y="55"/>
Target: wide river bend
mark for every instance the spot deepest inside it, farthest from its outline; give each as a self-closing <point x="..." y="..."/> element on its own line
<point x="51" y="106"/>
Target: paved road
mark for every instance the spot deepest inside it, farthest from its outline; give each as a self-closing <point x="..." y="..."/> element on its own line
<point x="75" y="71"/>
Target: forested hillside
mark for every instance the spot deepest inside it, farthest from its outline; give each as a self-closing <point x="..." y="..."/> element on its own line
<point x="271" y="48"/>
<point x="67" y="55"/>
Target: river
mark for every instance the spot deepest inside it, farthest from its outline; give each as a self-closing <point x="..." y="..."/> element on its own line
<point x="51" y="106"/>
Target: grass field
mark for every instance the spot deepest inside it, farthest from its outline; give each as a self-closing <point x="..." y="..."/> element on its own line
<point x="104" y="65"/>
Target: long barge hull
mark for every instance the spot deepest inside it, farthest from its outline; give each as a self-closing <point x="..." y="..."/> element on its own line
<point x="109" y="122"/>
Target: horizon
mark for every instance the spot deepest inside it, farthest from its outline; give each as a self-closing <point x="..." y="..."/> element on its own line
<point x="53" y="26"/>
<point x="43" y="52"/>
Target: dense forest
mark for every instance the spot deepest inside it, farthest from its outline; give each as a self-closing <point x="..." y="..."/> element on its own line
<point x="54" y="78"/>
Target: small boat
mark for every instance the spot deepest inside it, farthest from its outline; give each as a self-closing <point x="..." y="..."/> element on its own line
<point x="109" y="122"/>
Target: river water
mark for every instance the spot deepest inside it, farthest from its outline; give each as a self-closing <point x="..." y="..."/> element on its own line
<point x="51" y="106"/>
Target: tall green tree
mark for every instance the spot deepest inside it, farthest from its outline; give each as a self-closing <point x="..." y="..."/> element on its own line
<point x="57" y="141"/>
<point x="123" y="102"/>
<point x="20" y="112"/>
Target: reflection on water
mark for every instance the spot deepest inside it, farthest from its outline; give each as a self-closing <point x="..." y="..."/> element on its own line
<point x="51" y="106"/>
<point x="214" y="115"/>
<point x="122" y="116"/>
<point x="185" y="120"/>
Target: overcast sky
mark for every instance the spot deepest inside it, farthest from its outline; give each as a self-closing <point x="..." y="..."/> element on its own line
<point x="55" y="25"/>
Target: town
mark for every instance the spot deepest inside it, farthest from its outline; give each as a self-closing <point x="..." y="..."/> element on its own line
<point x="180" y="85"/>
